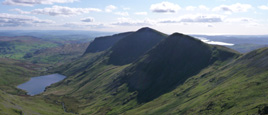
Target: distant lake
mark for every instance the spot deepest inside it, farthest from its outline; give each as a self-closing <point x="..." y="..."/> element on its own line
<point x="37" y="85"/>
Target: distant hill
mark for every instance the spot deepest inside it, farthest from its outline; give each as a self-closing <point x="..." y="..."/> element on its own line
<point x="17" y="47"/>
<point x="39" y="50"/>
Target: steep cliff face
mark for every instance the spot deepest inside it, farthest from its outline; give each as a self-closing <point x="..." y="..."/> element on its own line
<point x="103" y="43"/>
<point x="135" y="45"/>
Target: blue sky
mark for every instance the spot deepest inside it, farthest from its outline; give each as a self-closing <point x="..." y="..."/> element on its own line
<point x="236" y="17"/>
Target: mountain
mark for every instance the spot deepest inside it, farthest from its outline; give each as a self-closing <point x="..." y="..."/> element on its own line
<point x="170" y="63"/>
<point x="103" y="43"/>
<point x="146" y="72"/>
<point x="103" y="84"/>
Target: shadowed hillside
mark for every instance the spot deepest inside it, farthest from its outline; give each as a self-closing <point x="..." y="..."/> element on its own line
<point x="234" y="88"/>
<point x="170" y="63"/>
<point x="104" y="43"/>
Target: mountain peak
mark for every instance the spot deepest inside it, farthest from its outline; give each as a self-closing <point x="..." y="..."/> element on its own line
<point x="145" y="29"/>
<point x="135" y="45"/>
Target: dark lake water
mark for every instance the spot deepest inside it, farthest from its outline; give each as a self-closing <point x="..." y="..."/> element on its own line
<point x="37" y="85"/>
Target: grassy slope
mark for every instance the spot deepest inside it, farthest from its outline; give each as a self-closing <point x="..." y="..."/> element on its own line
<point x="13" y="73"/>
<point x="19" y="105"/>
<point x="239" y="87"/>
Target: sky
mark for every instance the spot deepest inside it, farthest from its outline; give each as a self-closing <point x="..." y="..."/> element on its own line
<point x="210" y="17"/>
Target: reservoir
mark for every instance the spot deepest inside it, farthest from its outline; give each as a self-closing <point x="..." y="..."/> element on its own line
<point x="37" y="85"/>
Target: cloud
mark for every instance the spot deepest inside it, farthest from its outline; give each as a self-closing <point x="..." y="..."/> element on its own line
<point x="263" y="7"/>
<point x="190" y="8"/>
<point x="126" y="8"/>
<point x="212" y="18"/>
<point x="110" y="8"/>
<point x="234" y="8"/>
<point x="11" y="20"/>
<point x="34" y="2"/>
<point x="82" y="25"/>
<point x="165" y="7"/>
<point x="202" y="18"/>
<point x="20" y="11"/>
<point x="60" y="11"/>
<point x="141" y="13"/>
<point x="130" y="22"/>
<point x="236" y="20"/>
<point x="122" y="13"/>
<point x="210" y="25"/>
<point x="87" y="19"/>
<point x="202" y="7"/>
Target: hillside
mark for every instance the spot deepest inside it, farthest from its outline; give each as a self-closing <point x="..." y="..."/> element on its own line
<point x="235" y="88"/>
<point x="24" y="105"/>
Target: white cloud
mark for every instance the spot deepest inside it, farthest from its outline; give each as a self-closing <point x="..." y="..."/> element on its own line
<point x="235" y="20"/>
<point x="110" y="8"/>
<point x="165" y="7"/>
<point x="126" y="8"/>
<point x="82" y="25"/>
<point x="34" y="2"/>
<point x="202" y="7"/>
<point x="141" y="13"/>
<point x="209" y="25"/>
<point x="122" y="13"/>
<point x="87" y="19"/>
<point x="131" y="22"/>
<point x="20" y="11"/>
<point x="11" y="20"/>
<point x="199" y="18"/>
<point x="238" y="7"/>
<point x="263" y="7"/>
<point x="202" y="18"/>
<point x="190" y="8"/>
<point x="60" y="11"/>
